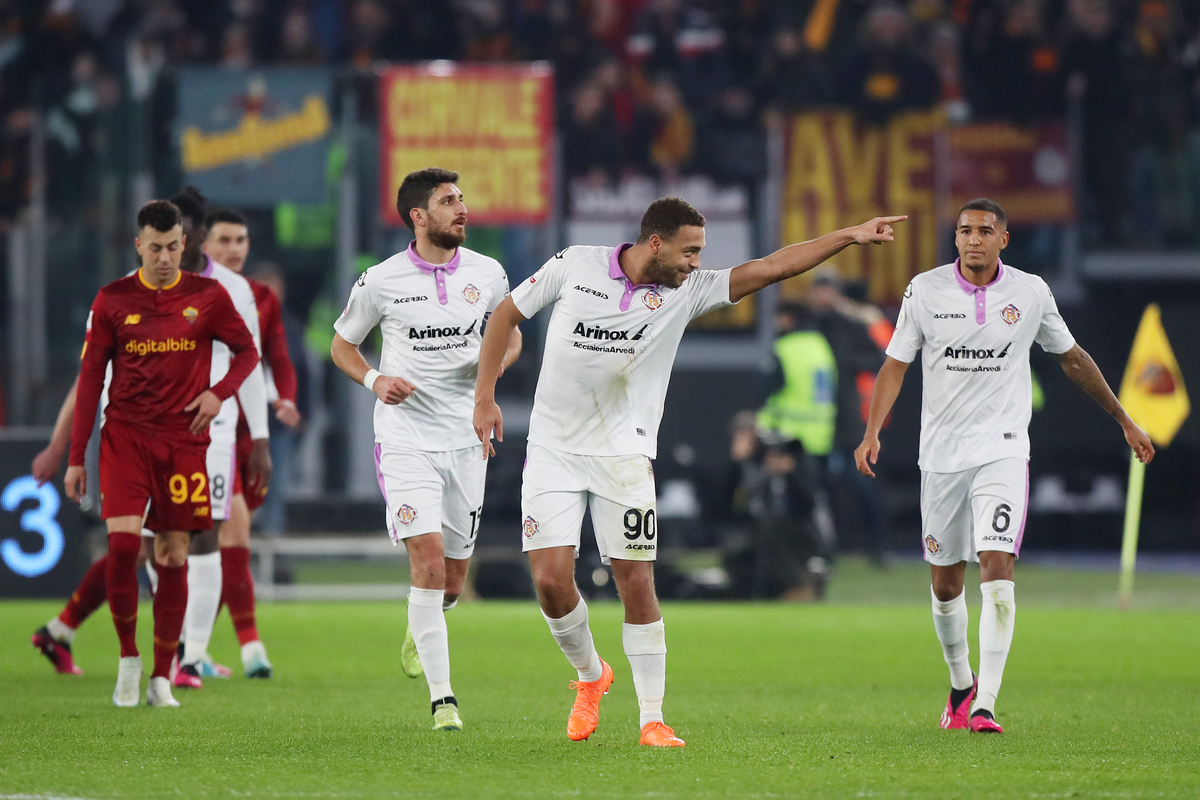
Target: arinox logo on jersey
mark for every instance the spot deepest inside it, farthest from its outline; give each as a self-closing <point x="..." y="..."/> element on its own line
<point x="606" y="335"/>
<point x="431" y="332"/>
<point x="967" y="352"/>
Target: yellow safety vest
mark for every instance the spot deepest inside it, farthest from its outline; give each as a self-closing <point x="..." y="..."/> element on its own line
<point x="806" y="407"/>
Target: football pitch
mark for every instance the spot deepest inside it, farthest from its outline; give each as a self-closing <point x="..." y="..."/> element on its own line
<point x="839" y="699"/>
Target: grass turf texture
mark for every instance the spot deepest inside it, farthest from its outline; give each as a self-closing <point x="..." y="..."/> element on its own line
<point x="834" y="700"/>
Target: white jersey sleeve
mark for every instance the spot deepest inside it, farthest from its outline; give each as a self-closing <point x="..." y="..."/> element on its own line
<point x="542" y="287"/>
<point x="708" y="289"/>
<point x="1052" y="333"/>
<point x="252" y="394"/>
<point x="362" y="312"/>
<point x="907" y="340"/>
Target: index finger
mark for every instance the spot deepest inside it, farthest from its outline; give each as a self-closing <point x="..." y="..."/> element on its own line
<point x="890" y="220"/>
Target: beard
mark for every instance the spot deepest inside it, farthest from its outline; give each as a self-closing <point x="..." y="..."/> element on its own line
<point x="660" y="273"/>
<point x="446" y="239"/>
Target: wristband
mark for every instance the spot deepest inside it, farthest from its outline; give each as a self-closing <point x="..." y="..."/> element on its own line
<point x="369" y="379"/>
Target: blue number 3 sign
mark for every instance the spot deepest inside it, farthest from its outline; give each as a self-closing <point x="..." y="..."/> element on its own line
<point x="40" y="520"/>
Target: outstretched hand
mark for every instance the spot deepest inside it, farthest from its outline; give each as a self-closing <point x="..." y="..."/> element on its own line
<point x="876" y="231"/>
<point x="1143" y="448"/>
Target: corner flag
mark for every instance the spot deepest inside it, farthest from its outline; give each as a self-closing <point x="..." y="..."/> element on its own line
<point x="1154" y="396"/>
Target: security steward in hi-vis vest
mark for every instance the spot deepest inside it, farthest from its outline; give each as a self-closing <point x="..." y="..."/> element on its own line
<point x="804" y="408"/>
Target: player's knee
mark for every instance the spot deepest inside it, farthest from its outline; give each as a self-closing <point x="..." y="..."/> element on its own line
<point x="175" y="557"/>
<point x="945" y="592"/>
<point x="553" y="588"/>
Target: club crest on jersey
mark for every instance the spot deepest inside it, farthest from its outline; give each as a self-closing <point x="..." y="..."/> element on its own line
<point x="406" y="514"/>
<point x="652" y="299"/>
<point x="471" y="294"/>
<point x="1011" y="314"/>
<point x="190" y="314"/>
<point x="931" y="544"/>
<point x="530" y="527"/>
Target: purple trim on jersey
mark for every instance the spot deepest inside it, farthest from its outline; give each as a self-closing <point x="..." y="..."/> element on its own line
<point x="208" y="267"/>
<point x="379" y="474"/>
<point x="980" y="292"/>
<point x="438" y="271"/>
<point x="1024" y="517"/>
<point x="617" y="274"/>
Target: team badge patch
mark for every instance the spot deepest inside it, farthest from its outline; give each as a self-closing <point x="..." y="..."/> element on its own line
<point x="1011" y="314"/>
<point x="471" y="294"/>
<point x="530" y="527"/>
<point x="406" y="514"/>
<point x="931" y="544"/>
<point x="190" y="315"/>
<point x="652" y="299"/>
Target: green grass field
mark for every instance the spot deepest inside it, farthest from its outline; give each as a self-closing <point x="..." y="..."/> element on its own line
<point x="832" y="700"/>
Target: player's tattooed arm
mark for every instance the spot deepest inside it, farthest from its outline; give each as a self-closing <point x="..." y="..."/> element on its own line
<point x="391" y="389"/>
<point x="1080" y="368"/>
<point x="883" y="397"/>
<point x="47" y="462"/>
<point x="497" y="338"/>
<point x="793" y="260"/>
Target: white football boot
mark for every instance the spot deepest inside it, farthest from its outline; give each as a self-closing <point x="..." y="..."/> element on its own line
<point x="129" y="682"/>
<point x="158" y="693"/>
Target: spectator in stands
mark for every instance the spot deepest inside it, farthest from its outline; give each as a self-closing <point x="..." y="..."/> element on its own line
<point x="674" y="132"/>
<point x="732" y="141"/>
<point x="883" y="76"/>
<point x="945" y="54"/>
<point x="297" y="43"/>
<point x="1018" y="67"/>
<point x="237" y="51"/>
<point x="792" y="77"/>
<point x="591" y="141"/>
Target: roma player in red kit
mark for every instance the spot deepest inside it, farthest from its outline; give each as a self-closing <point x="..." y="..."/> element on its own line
<point x="157" y="328"/>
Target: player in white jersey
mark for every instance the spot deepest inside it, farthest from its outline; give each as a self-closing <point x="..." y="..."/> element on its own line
<point x="431" y="302"/>
<point x="619" y="317"/>
<point x="973" y="323"/>
<point x="231" y="517"/>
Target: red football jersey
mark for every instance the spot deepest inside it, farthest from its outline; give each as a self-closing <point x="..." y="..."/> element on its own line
<point x="160" y="345"/>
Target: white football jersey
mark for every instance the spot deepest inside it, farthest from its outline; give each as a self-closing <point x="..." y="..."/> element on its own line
<point x="432" y="322"/>
<point x="974" y="342"/>
<point x="609" y="350"/>
<point x="253" y="391"/>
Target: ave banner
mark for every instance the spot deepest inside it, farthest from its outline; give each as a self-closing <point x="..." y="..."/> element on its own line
<point x="839" y="172"/>
<point x="255" y="138"/>
<point x="493" y="124"/>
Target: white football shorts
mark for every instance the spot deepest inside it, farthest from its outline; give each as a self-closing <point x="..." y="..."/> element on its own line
<point x="222" y="459"/>
<point x="619" y="490"/>
<point x="428" y="492"/>
<point x="983" y="508"/>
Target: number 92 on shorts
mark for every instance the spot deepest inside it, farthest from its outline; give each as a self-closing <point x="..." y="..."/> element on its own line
<point x="983" y="508"/>
<point x="156" y="474"/>
<point x="619" y="491"/>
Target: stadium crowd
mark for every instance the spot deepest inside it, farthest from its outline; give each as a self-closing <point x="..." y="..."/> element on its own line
<point x="670" y="86"/>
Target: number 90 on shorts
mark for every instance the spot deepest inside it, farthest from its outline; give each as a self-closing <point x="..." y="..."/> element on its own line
<point x="964" y="513"/>
<point x="618" y="492"/>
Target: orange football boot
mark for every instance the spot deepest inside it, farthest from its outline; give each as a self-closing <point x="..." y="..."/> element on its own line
<point x="658" y="734"/>
<point x="585" y="714"/>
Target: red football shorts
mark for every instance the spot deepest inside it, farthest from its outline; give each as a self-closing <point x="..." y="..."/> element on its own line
<point x="241" y="476"/>
<point x="156" y="474"/>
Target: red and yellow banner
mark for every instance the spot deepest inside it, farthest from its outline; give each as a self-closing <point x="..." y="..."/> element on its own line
<point x="493" y="124"/>
<point x="839" y="172"/>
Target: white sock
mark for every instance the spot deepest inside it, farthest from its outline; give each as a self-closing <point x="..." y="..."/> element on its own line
<point x="449" y="604"/>
<point x="203" y="602"/>
<point x="427" y="622"/>
<point x="61" y="630"/>
<point x="574" y="638"/>
<point x="152" y="574"/>
<point x="646" y="648"/>
<point x="996" y="620"/>
<point x="950" y="622"/>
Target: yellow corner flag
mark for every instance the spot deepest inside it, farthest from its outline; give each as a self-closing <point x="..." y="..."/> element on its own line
<point x="1153" y="394"/>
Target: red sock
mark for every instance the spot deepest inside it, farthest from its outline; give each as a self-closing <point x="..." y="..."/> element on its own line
<point x="120" y="575"/>
<point x="88" y="597"/>
<point x="237" y="591"/>
<point x="170" y="601"/>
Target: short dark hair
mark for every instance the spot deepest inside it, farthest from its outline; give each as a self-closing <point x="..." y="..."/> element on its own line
<point x="224" y="215"/>
<point x="984" y="204"/>
<point x="666" y="216"/>
<point x="417" y="188"/>
<point x="161" y="215"/>
<point x="191" y="205"/>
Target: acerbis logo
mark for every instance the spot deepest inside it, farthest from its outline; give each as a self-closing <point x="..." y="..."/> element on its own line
<point x="438" y="333"/>
<point x="592" y="292"/>
<point x="949" y="316"/>
<point x="993" y="538"/>
<point x="968" y="352"/>
<point x="604" y="334"/>
<point x="413" y="299"/>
